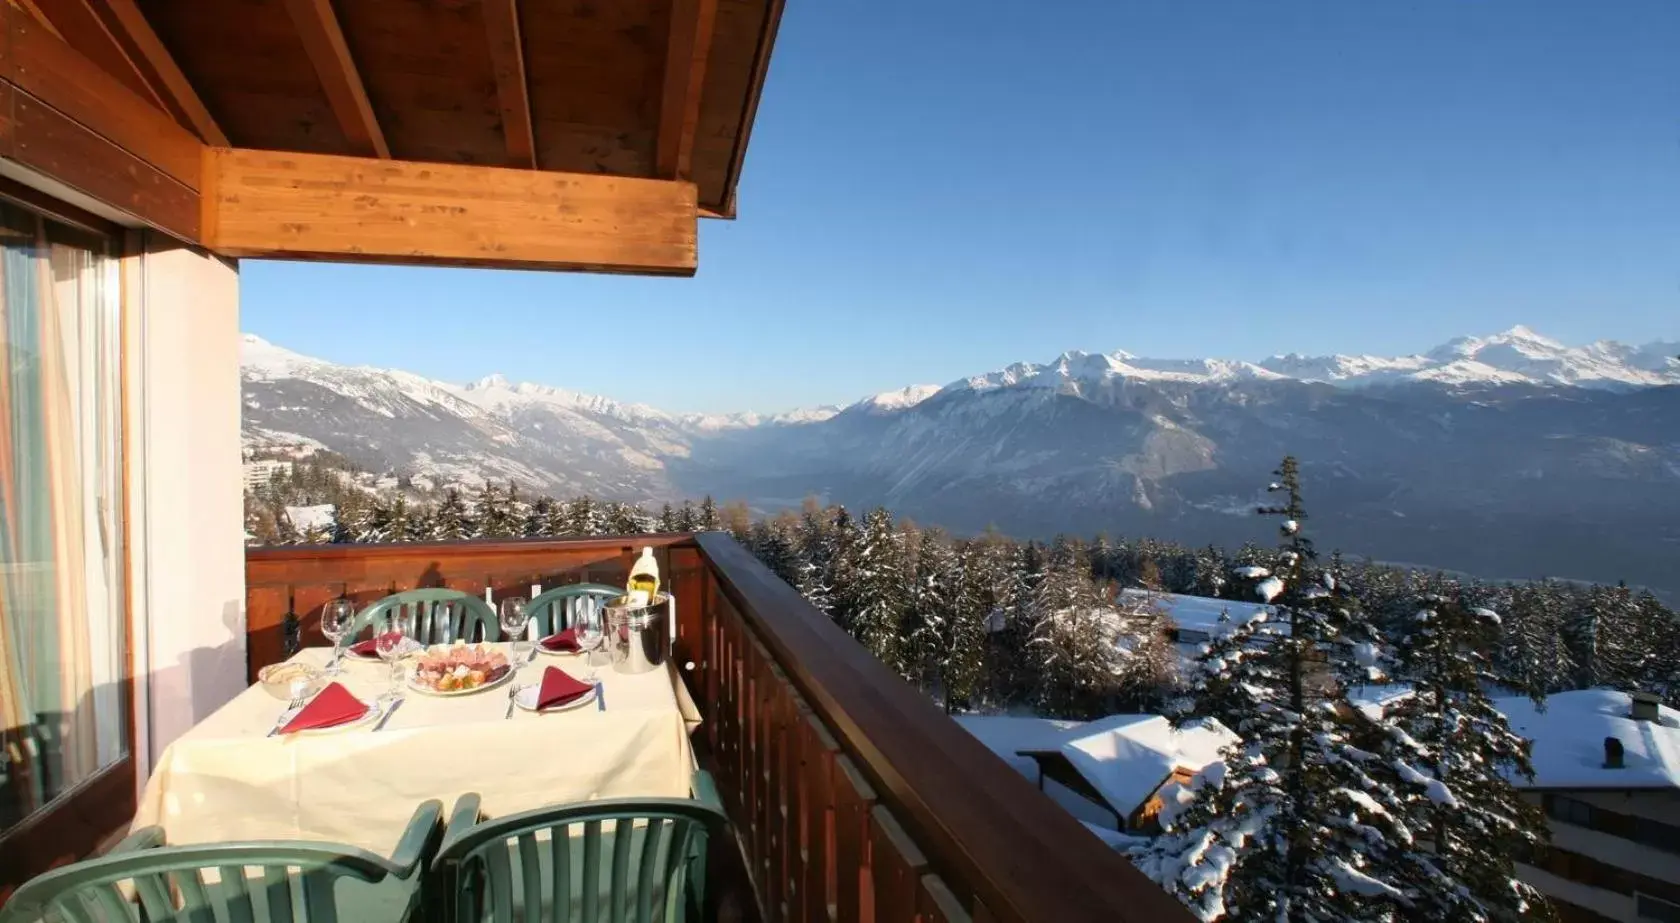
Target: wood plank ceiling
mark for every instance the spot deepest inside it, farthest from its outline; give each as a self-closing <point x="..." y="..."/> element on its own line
<point x="663" y="89"/>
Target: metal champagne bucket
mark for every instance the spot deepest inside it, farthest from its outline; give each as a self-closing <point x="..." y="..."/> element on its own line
<point x="638" y="635"/>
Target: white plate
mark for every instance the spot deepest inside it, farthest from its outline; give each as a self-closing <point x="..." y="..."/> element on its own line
<point x="527" y="699"/>
<point x="544" y="650"/>
<point x="424" y="689"/>
<point x="373" y="713"/>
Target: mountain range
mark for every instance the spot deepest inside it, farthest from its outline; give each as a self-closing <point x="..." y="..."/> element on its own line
<point x="1510" y="455"/>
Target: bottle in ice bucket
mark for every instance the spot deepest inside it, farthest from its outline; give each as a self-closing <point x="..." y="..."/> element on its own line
<point x="643" y="587"/>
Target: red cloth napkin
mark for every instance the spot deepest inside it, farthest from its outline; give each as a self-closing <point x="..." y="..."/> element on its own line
<point x="558" y="688"/>
<point x="368" y="648"/>
<point x="332" y="707"/>
<point x="561" y="641"/>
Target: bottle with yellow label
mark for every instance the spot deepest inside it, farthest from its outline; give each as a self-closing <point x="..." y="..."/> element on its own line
<point x="643" y="586"/>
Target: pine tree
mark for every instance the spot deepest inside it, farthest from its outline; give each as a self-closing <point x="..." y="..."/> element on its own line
<point x="1456" y="754"/>
<point x="583" y="517"/>
<point x="1146" y="671"/>
<point x="1074" y="638"/>
<point x="707" y="519"/>
<point x="494" y="513"/>
<point x="842" y="576"/>
<point x="1605" y="638"/>
<point x="1532" y="655"/>
<point x="688" y="520"/>
<point x="772" y="546"/>
<point x="1285" y="827"/>
<point x="980" y="589"/>
<point x="537" y="518"/>
<point x="880" y="600"/>
<point x="624" y="519"/>
<point x="667" y="521"/>
<point x="451" y="522"/>
<point x="932" y="595"/>
<point x="812" y="549"/>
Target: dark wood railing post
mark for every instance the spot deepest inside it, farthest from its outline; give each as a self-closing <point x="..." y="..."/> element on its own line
<point x="854" y="798"/>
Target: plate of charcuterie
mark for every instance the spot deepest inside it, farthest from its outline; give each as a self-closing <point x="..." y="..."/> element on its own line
<point x="459" y="669"/>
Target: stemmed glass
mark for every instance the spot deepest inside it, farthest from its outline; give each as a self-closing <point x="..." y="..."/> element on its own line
<point x="590" y="633"/>
<point x="392" y="643"/>
<point x="337" y="618"/>
<point x="513" y="621"/>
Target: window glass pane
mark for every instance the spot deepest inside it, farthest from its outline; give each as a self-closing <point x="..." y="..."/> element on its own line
<point x="63" y="654"/>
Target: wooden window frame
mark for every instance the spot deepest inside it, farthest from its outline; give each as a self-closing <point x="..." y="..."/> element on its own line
<point x="77" y="822"/>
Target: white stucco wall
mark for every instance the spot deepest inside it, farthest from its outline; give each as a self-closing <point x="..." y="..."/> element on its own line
<point x="187" y="501"/>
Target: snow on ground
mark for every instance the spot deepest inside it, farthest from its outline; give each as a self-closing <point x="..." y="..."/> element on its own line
<point x="1569" y="741"/>
<point x="1127" y="757"/>
<point x="304" y="518"/>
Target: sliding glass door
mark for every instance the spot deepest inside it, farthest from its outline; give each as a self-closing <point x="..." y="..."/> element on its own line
<point x="65" y="710"/>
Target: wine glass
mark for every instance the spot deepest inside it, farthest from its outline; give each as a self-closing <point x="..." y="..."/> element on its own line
<point x="590" y="633"/>
<point x="337" y="618"/>
<point x="392" y="644"/>
<point x="513" y="621"/>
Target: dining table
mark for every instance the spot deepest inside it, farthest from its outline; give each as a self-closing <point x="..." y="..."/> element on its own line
<point x="231" y="778"/>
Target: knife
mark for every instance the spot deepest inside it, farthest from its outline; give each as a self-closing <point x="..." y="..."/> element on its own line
<point x="600" y="696"/>
<point x="389" y="712"/>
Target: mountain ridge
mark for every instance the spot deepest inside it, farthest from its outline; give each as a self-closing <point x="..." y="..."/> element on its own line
<point x="1504" y="454"/>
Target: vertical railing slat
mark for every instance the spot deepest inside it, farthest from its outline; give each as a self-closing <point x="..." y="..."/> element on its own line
<point x="936" y="904"/>
<point x="854" y="887"/>
<point x="896" y="865"/>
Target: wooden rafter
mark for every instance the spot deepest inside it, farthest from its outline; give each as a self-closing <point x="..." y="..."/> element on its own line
<point x="142" y="46"/>
<point x="81" y="28"/>
<point x="507" y="55"/>
<point x="688" y="45"/>
<point x="318" y="27"/>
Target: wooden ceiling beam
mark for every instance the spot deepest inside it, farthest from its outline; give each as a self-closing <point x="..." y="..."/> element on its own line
<point x="317" y="206"/>
<point x="126" y="24"/>
<point x="688" y="45"/>
<point x="81" y="28"/>
<point x="507" y="57"/>
<point x="323" y="39"/>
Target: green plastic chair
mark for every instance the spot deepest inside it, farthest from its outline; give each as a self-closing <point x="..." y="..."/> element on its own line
<point x="439" y="616"/>
<point x="558" y="609"/>
<point x="296" y="881"/>
<point x="625" y="860"/>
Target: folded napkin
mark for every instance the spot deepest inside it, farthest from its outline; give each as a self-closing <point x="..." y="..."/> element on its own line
<point x="333" y="706"/>
<point x="559" y="688"/>
<point x="368" y="648"/>
<point x="561" y="641"/>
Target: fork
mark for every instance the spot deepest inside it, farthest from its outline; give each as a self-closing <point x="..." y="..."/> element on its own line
<point x="292" y="706"/>
<point x="513" y="691"/>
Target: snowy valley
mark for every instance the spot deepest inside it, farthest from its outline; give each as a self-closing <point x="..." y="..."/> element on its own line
<point x="1508" y="456"/>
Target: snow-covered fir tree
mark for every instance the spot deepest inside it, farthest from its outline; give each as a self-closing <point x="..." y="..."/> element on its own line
<point x="582" y="517"/>
<point x="1074" y="637"/>
<point x="497" y="513"/>
<point x="1608" y="644"/>
<point x="706" y="520"/>
<point x="1533" y="657"/>
<point x="1146" y="666"/>
<point x="667" y="519"/>
<point x="537" y="517"/>
<point x="1286" y="825"/>
<point x="932" y="593"/>
<point x="813" y="550"/>
<point x="880" y="591"/>
<point x="843" y="542"/>
<point x="452" y="521"/>
<point x="981" y="588"/>
<point x="1455" y="757"/>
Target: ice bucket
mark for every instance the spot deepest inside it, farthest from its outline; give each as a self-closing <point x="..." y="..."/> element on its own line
<point x="639" y="635"/>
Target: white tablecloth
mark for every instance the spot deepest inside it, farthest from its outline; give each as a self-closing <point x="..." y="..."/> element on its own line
<point x="226" y="780"/>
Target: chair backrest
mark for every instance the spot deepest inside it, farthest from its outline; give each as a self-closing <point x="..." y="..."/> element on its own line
<point x="625" y="860"/>
<point x="295" y="881"/>
<point x="439" y="616"/>
<point x="558" y="609"/>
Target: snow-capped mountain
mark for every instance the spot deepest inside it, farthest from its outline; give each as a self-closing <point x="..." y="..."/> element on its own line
<point x="1507" y="455"/>
<point x="1517" y="356"/>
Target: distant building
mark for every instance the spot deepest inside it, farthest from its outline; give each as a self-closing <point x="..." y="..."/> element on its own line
<point x="1108" y="773"/>
<point x="260" y="473"/>
<point x="1607" y="772"/>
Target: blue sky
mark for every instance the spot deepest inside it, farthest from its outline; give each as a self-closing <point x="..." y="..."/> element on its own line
<point x="939" y="188"/>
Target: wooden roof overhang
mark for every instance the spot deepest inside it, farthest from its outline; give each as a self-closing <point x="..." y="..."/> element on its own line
<point x="558" y="134"/>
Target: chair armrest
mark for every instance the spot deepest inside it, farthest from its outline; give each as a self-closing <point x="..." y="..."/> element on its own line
<point x="420" y="841"/>
<point x="144" y="838"/>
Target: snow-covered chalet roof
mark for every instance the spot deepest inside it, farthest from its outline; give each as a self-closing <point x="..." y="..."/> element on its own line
<point x="1197" y="613"/>
<point x="1373" y="700"/>
<point x="1569" y="741"/>
<point x="1127" y="757"/>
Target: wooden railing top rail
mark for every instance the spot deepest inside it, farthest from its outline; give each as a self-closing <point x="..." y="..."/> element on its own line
<point x="985" y="827"/>
<point x="466" y="548"/>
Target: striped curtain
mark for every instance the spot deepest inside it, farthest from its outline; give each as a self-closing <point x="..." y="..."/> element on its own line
<point x="61" y="630"/>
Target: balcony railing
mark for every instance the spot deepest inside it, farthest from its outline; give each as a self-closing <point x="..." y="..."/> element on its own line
<point x="853" y="796"/>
